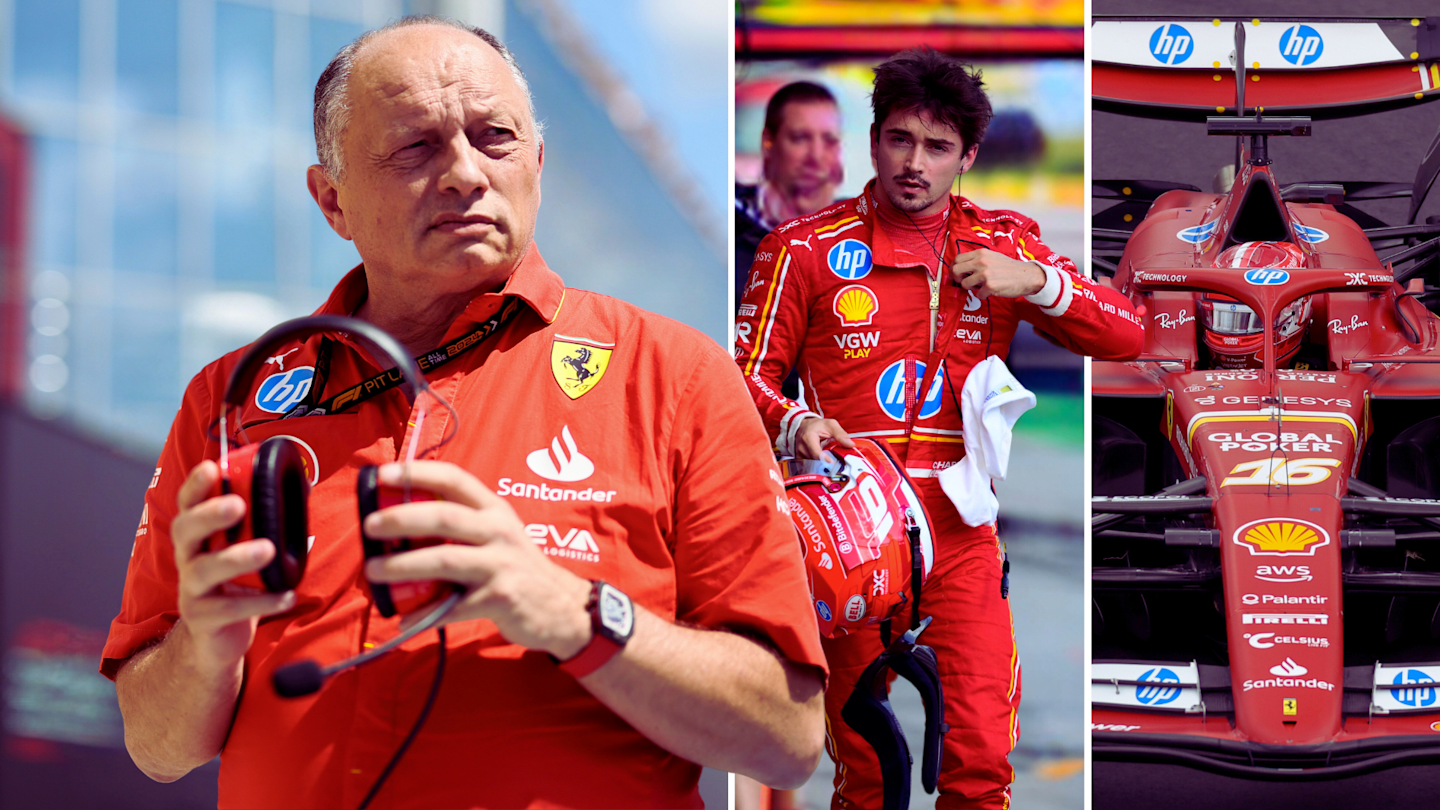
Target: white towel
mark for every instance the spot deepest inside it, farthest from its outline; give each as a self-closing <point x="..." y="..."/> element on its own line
<point x="990" y="403"/>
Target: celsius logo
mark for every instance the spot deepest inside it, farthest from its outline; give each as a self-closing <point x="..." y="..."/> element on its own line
<point x="1311" y="235"/>
<point x="1199" y="233"/>
<point x="890" y="390"/>
<point x="559" y="463"/>
<point x="284" y="390"/>
<point x="1171" y="44"/>
<point x="1267" y="276"/>
<point x="1423" y="696"/>
<point x="850" y="259"/>
<point x="1155" y="693"/>
<point x="1301" y="45"/>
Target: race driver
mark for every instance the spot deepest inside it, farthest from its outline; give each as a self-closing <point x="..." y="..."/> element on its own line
<point x="871" y="299"/>
<point x="595" y="442"/>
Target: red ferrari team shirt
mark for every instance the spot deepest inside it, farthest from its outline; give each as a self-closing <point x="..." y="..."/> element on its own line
<point x="852" y="303"/>
<point x="628" y="446"/>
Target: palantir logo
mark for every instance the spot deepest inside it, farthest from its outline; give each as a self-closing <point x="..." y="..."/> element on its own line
<point x="850" y="259"/>
<point x="561" y="463"/>
<point x="1301" y="45"/>
<point x="284" y="390"/>
<point x="1171" y="44"/>
<point x="1423" y="696"/>
<point x="890" y="390"/>
<point x="1155" y="692"/>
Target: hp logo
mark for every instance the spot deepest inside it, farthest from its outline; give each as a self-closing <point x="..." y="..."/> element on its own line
<point x="283" y="391"/>
<point x="1311" y="235"/>
<point x="1154" y="694"/>
<point x="1265" y="277"/>
<point x="1424" y="696"/>
<point x="850" y="259"/>
<point x="890" y="390"/>
<point x="1171" y="44"/>
<point x="1199" y="233"/>
<point x="1301" y="45"/>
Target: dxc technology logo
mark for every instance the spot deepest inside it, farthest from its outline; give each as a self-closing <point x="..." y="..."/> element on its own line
<point x="1301" y="45"/>
<point x="1171" y="44"/>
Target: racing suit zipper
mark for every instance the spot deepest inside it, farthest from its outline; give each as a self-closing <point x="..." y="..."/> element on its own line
<point x="934" y="306"/>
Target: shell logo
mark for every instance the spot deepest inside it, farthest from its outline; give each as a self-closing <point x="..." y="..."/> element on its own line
<point x="1282" y="538"/>
<point x="856" y="305"/>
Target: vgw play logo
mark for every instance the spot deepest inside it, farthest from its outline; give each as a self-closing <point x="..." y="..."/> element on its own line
<point x="1301" y="45"/>
<point x="1171" y="44"/>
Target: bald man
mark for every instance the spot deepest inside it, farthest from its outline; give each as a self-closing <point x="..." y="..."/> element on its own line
<point x="607" y="463"/>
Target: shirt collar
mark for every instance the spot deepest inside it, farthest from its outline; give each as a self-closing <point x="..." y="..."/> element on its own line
<point x="533" y="282"/>
<point x="882" y="247"/>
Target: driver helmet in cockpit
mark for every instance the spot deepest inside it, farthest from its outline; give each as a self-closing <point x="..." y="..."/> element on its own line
<point x="1232" y="331"/>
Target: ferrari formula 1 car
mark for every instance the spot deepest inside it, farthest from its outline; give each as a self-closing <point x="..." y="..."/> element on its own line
<point x="1266" y="519"/>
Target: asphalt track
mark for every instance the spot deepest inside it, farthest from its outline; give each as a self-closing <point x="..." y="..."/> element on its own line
<point x="1385" y="147"/>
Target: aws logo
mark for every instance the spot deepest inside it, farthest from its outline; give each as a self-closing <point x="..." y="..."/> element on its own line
<point x="1281" y="538"/>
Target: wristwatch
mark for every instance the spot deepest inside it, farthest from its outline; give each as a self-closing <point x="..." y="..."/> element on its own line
<point x="612" y="621"/>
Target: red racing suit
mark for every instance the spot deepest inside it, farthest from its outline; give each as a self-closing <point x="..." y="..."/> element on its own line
<point x="830" y="295"/>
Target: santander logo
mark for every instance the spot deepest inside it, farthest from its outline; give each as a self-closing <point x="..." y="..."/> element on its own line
<point x="561" y="463"/>
<point x="1288" y="669"/>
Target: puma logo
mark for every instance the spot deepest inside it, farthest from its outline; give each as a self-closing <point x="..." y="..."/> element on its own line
<point x="279" y="359"/>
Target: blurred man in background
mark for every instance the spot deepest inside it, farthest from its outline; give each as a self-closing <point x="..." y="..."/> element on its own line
<point x="884" y="304"/>
<point x="800" y="151"/>
<point x="430" y="162"/>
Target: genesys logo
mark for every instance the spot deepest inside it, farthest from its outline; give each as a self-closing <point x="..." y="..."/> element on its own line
<point x="285" y="389"/>
<point x="570" y="543"/>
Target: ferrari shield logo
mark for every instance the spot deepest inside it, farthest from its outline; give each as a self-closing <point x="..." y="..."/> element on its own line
<point x="578" y="363"/>
<point x="1287" y="705"/>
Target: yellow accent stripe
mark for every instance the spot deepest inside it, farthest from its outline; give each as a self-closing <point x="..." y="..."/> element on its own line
<point x="836" y="225"/>
<point x="556" y="313"/>
<point x="767" y="312"/>
<point x="945" y="439"/>
<point x="899" y="440"/>
<point x="1435" y="74"/>
<point x="1020" y="243"/>
<point x="1269" y="418"/>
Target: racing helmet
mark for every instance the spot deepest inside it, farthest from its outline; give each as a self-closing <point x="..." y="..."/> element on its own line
<point x="863" y="532"/>
<point x="1232" y="331"/>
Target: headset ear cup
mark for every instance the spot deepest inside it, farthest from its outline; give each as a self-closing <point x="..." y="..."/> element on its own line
<point x="279" y="511"/>
<point x="367" y="496"/>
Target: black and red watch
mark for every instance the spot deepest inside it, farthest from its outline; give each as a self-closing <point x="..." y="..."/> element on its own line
<point x="612" y="621"/>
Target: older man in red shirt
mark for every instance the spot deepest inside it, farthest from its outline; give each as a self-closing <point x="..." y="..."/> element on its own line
<point x="649" y="471"/>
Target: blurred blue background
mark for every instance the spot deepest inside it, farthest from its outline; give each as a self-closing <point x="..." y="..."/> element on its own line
<point x="154" y="215"/>
<point x="168" y="216"/>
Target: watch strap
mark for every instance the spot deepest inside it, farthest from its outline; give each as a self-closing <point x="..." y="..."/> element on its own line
<point x="601" y="647"/>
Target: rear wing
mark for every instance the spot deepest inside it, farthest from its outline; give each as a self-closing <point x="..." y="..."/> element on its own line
<point x="1187" y="68"/>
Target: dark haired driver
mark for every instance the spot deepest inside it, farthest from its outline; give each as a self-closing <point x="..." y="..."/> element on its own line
<point x="884" y="303"/>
